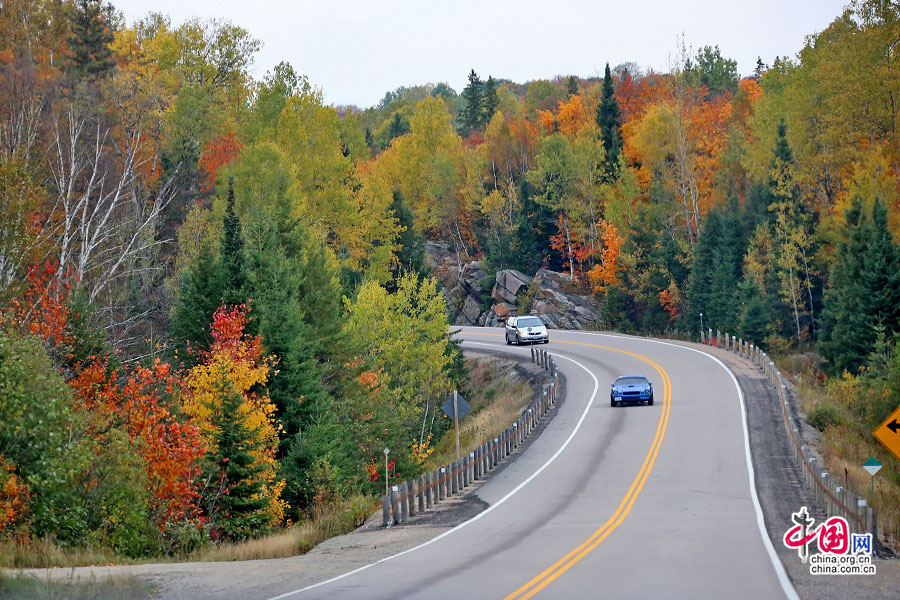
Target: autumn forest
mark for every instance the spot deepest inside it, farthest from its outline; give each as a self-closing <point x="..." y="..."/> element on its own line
<point x="216" y="307"/>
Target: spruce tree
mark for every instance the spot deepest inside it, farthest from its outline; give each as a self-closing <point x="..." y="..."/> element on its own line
<point x="90" y="40"/>
<point x="864" y="289"/>
<point x="489" y="101"/>
<point x="199" y="296"/>
<point x="232" y="255"/>
<point x="609" y="119"/>
<point x="472" y="110"/>
<point x="572" y="86"/>
<point x="239" y="508"/>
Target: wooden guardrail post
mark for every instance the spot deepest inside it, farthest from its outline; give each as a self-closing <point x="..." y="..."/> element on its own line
<point x="395" y="508"/>
<point x="428" y="490"/>
<point x="421" y="489"/>
<point x="385" y="510"/>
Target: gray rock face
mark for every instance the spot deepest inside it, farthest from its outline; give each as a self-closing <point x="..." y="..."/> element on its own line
<point x="509" y="282"/>
<point x="467" y="299"/>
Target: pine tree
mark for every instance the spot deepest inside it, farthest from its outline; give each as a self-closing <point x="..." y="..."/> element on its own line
<point x="90" y="40"/>
<point x="759" y="70"/>
<point x="472" y="105"/>
<point x="239" y="508"/>
<point x="572" y="86"/>
<point x="609" y="120"/>
<point x="489" y="101"/>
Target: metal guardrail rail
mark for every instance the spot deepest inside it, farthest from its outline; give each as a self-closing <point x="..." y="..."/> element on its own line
<point x="428" y="489"/>
<point x="836" y="499"/>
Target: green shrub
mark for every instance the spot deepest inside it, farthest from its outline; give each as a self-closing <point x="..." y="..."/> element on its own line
<point x="822" y="416"/>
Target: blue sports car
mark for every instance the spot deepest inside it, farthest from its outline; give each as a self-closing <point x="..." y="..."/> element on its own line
<point x="631" y="388"/>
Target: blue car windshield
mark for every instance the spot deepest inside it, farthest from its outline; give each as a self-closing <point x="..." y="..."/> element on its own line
<point x="632" y="381"/>
<point x="529" y="322"/>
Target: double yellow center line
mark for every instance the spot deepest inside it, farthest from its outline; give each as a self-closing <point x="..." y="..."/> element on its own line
<point x="562" y="565"/>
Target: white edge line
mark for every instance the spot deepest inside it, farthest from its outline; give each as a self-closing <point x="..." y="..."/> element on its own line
<point x="482" y="513"/>
<point x="786" y="585"/>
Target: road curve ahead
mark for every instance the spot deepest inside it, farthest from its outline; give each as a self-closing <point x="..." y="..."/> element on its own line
<point x="628" y="502"/>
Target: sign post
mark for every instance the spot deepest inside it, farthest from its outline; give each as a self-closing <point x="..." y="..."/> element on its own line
<point x="456" y="419"/>
<point x="872" y="466"/>
<point x="888" y="433"/>
<point x="456" y="408"/>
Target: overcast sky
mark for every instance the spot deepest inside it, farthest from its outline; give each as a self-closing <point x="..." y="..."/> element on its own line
<point x="356" y="50"/>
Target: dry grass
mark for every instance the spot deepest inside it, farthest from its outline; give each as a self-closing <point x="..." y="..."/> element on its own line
<point x="847" y="443"/>
<point x="338" y="518"/>
<point x="46" y="554"/>
<point x="500" y="396"/>
<point x="30" y="587"/>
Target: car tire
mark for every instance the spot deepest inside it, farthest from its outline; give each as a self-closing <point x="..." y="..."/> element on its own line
<point x="612" y="402"/>
<point x="546" y="341"/>
<point x="508" y="343"/>
<point x="650" y="401"/>
<point x="518" y="340"/>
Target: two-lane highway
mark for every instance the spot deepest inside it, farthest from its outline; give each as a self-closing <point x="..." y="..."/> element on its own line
<point x="627" y="502"/>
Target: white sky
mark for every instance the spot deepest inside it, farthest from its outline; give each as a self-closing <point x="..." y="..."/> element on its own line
<point x="356" y="50"/>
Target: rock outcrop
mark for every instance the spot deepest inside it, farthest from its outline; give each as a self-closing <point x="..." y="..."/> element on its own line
<point x="465" y="290"/>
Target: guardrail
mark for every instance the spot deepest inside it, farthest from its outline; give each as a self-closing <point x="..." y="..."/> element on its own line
<point x="833" y="497"/>
<point x="428" y="489"/>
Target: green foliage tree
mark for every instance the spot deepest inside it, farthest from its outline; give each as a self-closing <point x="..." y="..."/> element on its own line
<point x="713" y="71"/>
<point x="572" y="85"/>
<point x="609" y="120"/>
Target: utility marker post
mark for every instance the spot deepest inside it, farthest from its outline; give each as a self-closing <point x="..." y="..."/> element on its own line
<point x="872" y="466"/>
<point x="456" y="419"/>
<point x="387" y="490"/>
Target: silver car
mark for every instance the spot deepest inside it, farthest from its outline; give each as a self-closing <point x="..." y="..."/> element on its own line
<point x="526" y="329"/>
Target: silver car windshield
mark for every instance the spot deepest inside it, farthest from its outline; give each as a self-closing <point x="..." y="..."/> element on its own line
<point x="632" y="381"/>
<point x="529" y="322"/>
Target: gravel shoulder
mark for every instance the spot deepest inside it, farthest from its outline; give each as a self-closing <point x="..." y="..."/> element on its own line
<point x="781" y="491"/>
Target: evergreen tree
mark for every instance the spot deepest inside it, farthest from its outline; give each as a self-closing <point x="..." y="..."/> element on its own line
<point x="239" y="508"/>
<point x="412" y="245"/>
<point x="864" y="291"/>
<point x="489" y="101"/>
<point x="199" y="296"/>
<point x="214" y="278"/>
<point x="472" y="110"/>
<point x="759" y="70"/>
<point x="232" y="256"/>
<point x="716" y="270"/>
<point x="572" y="86"/>
<point x="90" y="40"/>
<point x="609" y="120"/>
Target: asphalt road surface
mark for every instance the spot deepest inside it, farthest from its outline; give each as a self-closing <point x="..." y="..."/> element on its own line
<point x="628" y="502"/>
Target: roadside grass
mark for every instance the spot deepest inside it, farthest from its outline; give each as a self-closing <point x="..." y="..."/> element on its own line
<point x="31" y="587"/>
<point x="845" y="409"/>
<point x="499" y="397"/>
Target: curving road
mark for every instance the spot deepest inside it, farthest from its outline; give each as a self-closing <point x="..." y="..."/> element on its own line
<point x="629" y="502"/>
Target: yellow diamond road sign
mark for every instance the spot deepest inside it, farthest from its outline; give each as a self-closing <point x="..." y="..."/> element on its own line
<point x="888" y="433"/>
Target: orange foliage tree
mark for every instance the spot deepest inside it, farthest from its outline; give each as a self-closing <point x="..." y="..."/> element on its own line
<point x="606" y="273"/>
